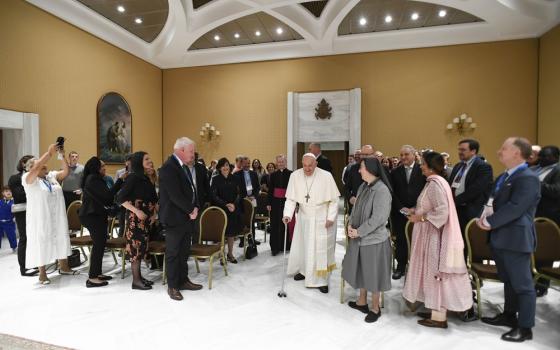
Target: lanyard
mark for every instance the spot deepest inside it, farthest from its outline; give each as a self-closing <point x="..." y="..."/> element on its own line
<point x="48" y="184"/>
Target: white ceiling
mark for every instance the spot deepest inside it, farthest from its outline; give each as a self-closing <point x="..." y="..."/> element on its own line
<point x="503" y="20"/>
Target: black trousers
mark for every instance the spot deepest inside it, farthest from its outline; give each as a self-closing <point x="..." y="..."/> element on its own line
<point x="22" y="244"/>
<point x="399" y="221"/>
<point x="69" y="197"/>
<point x="177" y="250"/>
<point x="514" y="270"/>
<point x="97" y="227"/>
<point x="277" y="226"/>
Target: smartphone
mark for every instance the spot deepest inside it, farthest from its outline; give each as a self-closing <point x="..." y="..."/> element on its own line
<point x="60" y="146"/>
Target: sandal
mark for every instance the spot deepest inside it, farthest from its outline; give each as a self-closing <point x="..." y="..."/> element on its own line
<point x="69" y="273"/>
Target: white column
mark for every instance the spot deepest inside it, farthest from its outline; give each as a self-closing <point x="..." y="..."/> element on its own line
<point x="292" y="130"/>
<point x="355" y="141"/>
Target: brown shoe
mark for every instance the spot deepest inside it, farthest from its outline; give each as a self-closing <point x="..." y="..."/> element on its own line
<point x="188" y="285"/>
<point x="174" y="294"/>
<point x="424" y="315"/>
<point x="431" y="323"/>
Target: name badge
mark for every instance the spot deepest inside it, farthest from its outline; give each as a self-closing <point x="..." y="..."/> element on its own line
<point x="455" y="185"/>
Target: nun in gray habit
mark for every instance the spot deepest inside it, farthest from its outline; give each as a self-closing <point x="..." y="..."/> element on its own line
<point x="367" y="263"/>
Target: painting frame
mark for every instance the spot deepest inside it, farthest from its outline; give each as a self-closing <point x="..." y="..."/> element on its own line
<point x="113" y="128"/>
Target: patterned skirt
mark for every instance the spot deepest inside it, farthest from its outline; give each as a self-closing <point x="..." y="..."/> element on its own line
<point x="137" y="231"/>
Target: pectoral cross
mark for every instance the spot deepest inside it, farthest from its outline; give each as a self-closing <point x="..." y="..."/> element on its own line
<point x="307" y="198"/>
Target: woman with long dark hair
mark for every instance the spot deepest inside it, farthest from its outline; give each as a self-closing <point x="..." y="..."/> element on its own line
<point x="96" y="197"/>
<point x="367" y="263"/>
<point x="138" y="195"/>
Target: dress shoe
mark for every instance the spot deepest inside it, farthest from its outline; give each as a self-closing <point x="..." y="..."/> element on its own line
<point x="425" y="315"/>
<point x="362" y="308"/>
<point x="324" y="289"/>
<point x="518" y="335"/>
<point x="188" y="285"/>
<point x="105" y="278"/>
<point x="30" y="272"/>
<point x="468" y="316"/>
<point x="174" y="294"/>
<point x="372" y="316"/>
<point x="541" y="291"/>
<point x="231" y="259"/>
<point x="502" y="319"/>
<point x="141" y="286"/>
<point x="90" y="284"/>
<point x="397" y="275"/>
<point x="433" y="324"/>
<point x="299" y="277"/>
<point x="146" y="282"/>
<point x="274" y="253"/>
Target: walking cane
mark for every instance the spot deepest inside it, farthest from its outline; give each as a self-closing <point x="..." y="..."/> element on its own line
<point x="282" y="292"/>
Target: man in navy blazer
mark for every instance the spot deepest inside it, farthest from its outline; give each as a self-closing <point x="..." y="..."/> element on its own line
<point x="178" y="210"/>
<point x="509" y="219"/>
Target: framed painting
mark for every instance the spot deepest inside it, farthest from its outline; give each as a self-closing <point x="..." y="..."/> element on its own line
<point x="114" y="128"/>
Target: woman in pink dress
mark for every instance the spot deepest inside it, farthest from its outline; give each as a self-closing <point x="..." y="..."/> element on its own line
<point x="437" y="274"/>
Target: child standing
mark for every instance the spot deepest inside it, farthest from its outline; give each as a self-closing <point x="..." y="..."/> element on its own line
<point x="7" y="224"/>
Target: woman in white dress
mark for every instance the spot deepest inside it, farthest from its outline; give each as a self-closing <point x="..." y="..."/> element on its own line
<point x="47" y="224"/>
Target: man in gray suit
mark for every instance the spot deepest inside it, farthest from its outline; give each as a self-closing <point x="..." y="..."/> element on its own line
<point x="509" y="217"/>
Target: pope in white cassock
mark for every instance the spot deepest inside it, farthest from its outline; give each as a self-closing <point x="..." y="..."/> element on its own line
<point x="312" y="252"/>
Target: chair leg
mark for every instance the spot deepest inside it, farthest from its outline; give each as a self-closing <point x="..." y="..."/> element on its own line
<point x="114" y="257"/>
<point x="382" y="300"/>
<point x="164" y="271"/>
<point x="478" y="297"/>
<point x="224" y="262"/>
<point x="245" y="238"/>
<point x="196" y="263"/>
<point x="342" y="292"/>
<point x="210" y="272"/>
<point x="123" y="263"/>
<point x="84" y="254"/>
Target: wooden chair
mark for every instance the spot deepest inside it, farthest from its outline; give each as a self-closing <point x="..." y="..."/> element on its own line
<point x="247" y="224"/>
<point x="213" y="222"/>
<point x="548" y="250"/>
<point x="75" y="225"/>
<point x="408" y="234"/>
<point x="478" y="259"/>
<point x="262" y="214"/>
<point x="116" y="244"/>
<point x="158" y="248"/>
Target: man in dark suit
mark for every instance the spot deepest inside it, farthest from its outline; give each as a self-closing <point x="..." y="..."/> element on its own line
<point x="509" y="217"/>
<point x="201" y="183"/>
<point x="249" y="187"/>
<point x="548" y="171"/>
<point x="322" y="161"/>
<point x="408" y="182"/>
<point x="471" y="182"/>
<point x="177" y="213"/>
<point x="353" y="178"/>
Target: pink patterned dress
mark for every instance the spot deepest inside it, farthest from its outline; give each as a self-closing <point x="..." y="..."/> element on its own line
<point x="425" y="281"/>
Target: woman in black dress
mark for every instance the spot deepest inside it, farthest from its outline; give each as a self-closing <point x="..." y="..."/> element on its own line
<point x="225" y="194"/>
<point x="96" y="197"/>
<point x="138" y="195"/>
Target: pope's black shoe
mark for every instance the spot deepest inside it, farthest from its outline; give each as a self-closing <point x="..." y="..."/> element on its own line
<point x="518" y="335"/>
<point x="299" y="277"/>
<point x="324" y="289"/>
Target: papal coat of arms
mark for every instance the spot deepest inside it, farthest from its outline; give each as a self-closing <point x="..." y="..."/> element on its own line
<point x="323" y="110"/>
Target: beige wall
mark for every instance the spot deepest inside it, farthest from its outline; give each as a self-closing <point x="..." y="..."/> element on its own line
<point x="408" y="96"/>
<point x="549" y="88"/>
<point x="49" y="67"/>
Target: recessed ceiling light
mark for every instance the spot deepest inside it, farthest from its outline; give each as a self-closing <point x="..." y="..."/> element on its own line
<point x="279" y="30"/>
<point x="121" y="8"/>
<point x="442" y="13"/>
<point x="388" y="19"/>
<point x="138" y="20"/>
<point x="258" y="33"/>
<point x="217" y="37"/>
<point x="363" y="21"/>
<point x="415" y="16"/>
<point x="236" y="35"/>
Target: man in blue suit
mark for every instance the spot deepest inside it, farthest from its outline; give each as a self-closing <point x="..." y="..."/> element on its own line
<point x="509" y="218"/>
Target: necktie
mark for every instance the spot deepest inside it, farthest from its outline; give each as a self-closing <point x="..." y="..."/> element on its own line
<point x="189" y="177"/>
<point x="408" y="172"/>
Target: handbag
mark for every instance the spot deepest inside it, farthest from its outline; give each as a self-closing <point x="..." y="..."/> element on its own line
<point x="251" y="248"/>
<point x="74" y="258"/>
<point x="18" y="208"/>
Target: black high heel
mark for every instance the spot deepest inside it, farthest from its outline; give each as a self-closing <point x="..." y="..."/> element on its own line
<point x="90" y="284"/>
<point x="147" y="282"/>
<point x="141" y="287"/>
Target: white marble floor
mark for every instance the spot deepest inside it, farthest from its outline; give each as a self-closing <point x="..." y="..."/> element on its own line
<point x="242" y="311"/>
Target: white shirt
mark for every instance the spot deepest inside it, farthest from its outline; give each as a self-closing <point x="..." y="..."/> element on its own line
<point x="461" y="186"/>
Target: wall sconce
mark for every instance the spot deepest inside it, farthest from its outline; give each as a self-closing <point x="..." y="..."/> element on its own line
<point x="462" y="124"/>
<point x="209" y="132"/>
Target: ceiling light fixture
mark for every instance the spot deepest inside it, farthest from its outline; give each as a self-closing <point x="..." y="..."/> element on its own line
<point x="363" y="21"/>
<point x="415" y="16"/>
<point x="138" y="20"/>
<point x="217" y="37"/>
<point x="388" y="19"/>
<point x="279" y="30"/>
<point x="236" y="35"/>
<point x="442" y="13"/>
<point x="121" y="8"/>
<point x="258" y="33"/>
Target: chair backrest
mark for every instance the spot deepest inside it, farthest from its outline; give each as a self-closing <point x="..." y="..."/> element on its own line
<point x="408" y="233"/>
<point x="477" y="243"/>
<point x="548" y="241"/>
<point x="248" y="213"/>
<point x="74" y="223"/>
<point x="213" y="222"/>
<point x="262" y="202"/>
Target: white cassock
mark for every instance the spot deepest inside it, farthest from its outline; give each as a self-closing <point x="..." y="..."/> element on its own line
<point x="312" y="251"/>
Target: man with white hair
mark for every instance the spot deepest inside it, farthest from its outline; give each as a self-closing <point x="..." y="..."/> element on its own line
<point x="312" y="252"/>
<point x="177" y="213"/>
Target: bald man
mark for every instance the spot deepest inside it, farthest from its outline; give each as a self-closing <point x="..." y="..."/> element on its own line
<point x="312" y="252"/>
